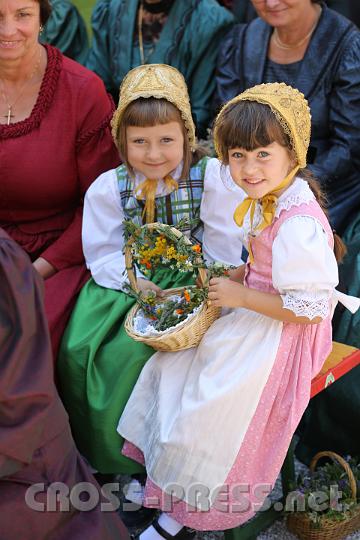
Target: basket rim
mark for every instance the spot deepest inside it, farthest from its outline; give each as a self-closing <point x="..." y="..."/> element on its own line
<point x="336" y="457"/>
<point x="173" y="329"/>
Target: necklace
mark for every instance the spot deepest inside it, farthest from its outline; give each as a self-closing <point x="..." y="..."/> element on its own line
<point x="10" y="106"/>
<point x="282" y="45"/>
<point x="143" y="59"/>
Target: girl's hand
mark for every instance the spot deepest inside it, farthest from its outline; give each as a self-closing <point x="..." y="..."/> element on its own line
<point x="145" y="285"/>
<point x="224" y="292"/>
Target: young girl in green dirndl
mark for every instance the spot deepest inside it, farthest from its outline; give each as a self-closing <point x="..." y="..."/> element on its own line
<point x="161" y="179"/>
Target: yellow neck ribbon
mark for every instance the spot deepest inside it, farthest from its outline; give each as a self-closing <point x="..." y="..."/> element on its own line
<point x="268" y="206"/>
<point x="147" y="190"/>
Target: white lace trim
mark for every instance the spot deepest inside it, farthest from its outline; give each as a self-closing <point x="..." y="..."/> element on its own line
<point x="305" y="196"/>
<point x="308" y="304"/>
<point x="298" y="193"/>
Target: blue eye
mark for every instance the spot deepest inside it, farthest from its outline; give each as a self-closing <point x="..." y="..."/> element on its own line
<point x="263" y="154"/>
<point x="167" y="139"/>
<point x="139" y="141"/>
<point x="236" y="155"/>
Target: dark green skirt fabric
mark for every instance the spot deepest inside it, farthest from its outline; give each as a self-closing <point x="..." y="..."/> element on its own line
<point x="98" y="367"/>
<point x="332" y="420"/>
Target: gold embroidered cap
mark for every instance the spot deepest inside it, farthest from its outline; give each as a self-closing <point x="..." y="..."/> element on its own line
<point x="158" y="81"/>
<point x="290" y="108"/>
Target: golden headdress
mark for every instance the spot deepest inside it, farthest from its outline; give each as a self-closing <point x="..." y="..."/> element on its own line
<point x="293" y="113"/>
<point x="290" y="108"/>
<point x="158" y="81"/>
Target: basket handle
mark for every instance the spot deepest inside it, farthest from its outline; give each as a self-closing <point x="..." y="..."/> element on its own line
<point x="342" y="462"/>
<point x="129" y="260"/>
<point x="129" y="265"/>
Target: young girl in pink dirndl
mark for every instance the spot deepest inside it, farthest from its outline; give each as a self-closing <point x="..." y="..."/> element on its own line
<point x="212" y="424"/>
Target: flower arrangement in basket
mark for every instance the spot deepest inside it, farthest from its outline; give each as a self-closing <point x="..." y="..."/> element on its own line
<point x="179" y="319"/>
<point x="329" y="496"/>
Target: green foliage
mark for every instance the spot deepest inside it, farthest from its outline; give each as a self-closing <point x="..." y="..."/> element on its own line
<point x="85" y="7"/>
<point x="165" y="313"/>
<point x="151" y="249"/>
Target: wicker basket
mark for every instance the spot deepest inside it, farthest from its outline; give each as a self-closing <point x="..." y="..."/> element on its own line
<point x="186" y="335"/>
<point x="300" y="524"/>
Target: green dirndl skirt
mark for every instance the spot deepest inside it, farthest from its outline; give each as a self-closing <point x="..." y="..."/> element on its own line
<point x="98" y="367"/>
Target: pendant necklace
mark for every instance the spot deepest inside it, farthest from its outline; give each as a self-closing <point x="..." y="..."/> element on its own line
<point x="143" y="59"/>
<point x="282" y="45"/>
<point x="10" y="106"/>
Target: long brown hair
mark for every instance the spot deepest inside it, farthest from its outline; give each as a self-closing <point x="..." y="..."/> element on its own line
<point x="250" y="125"/>
<point x="45" y="10"/>
<point x="146" y="112"/>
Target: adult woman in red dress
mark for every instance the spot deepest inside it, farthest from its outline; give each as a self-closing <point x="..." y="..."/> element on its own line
<point x="54" y="141"/>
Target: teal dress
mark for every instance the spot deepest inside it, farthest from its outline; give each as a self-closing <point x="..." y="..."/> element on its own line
<point x="66" y="30"/>
<point x="98" y="363"/>
<point x="188" y="41"/>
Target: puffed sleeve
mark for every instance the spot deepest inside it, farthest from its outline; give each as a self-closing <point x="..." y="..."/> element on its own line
<point x="26" y="390"/>
<point x="66" y="30"/>
<point x="304" y="268"/>
<point x="218" y="218"/>
<point x="98" y="59"/>
<point x="102" y="232"/>
<point x="343" y="118"/>
<point x="228" y="82"/>
<point x="95" y="154"/>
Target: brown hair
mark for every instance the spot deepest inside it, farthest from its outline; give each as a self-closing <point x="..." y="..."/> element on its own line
<point x="146" y="112"/>
<point x="250" y="125"/>
<point x="45" y="10"/>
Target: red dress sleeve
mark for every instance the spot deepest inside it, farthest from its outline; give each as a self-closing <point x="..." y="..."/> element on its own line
<point x="95" y="154"/>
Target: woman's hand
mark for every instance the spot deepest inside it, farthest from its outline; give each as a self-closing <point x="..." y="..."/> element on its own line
<point x="146" y="285"/>
<point x="44" y="268"/>
<point x="224" y="292"/>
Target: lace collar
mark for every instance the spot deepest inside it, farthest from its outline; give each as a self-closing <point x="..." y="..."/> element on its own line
<point x="298" y="193"/>
<point x="44" y="99"/>
<point x="161" y="189"/>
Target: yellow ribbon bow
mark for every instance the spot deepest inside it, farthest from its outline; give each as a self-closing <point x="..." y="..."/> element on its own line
<point x="147" y="190"/>
<point x="268" y="207"/>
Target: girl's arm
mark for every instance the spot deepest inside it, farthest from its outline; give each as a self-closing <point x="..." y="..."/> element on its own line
<point x="238" y="274"/>
<point x="304" y="272"/>
<point x="226" y="293"/>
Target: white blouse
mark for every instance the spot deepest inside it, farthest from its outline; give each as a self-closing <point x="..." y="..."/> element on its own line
<point x="304" y="267"/>
<point x="102" y="232"/>
<point x="222" y="237"/>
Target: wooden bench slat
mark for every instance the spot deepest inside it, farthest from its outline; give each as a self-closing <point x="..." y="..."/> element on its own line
<point x="342" y="359"/>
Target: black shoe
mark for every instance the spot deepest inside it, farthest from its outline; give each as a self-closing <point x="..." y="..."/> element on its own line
<point x="104" y="478"/>
<point x="139" y="517"/>
<point x="184" y="534"/>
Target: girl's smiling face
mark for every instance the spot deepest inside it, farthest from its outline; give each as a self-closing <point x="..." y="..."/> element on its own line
<point x="155" y="151"/>
<point x="260" y="171"/>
